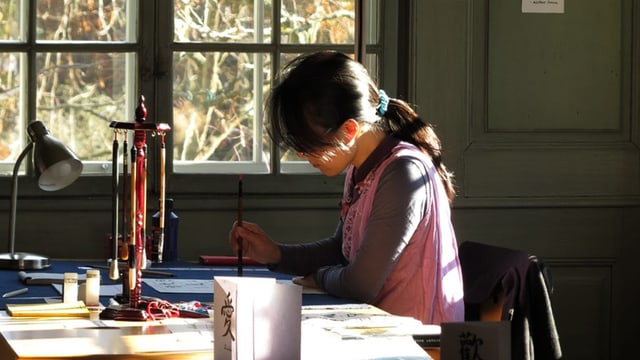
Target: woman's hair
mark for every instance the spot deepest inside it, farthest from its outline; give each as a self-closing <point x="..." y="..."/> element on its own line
<point x="318" y="92"/>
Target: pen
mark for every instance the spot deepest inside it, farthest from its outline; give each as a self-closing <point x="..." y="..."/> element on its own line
<point x="15" y="293"/>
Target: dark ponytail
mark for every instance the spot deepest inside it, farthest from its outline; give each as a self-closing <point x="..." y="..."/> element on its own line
<point x="405" y="124"/>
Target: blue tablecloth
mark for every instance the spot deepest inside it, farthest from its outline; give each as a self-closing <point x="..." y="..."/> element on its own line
<point x="9" y="281"/>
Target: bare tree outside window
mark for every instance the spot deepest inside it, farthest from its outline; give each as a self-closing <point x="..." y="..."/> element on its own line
<point x="219" y="93"/>
<point x="10" y="82"/>
<point x="80" y="93"/>
<point x="79" y="72"/>
<point x="80" y="77"/>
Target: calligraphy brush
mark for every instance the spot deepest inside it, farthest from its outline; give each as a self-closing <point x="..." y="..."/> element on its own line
<point x="114" y="273"/>
<point x="240" y="224"/>
<point x="163" y="151"/>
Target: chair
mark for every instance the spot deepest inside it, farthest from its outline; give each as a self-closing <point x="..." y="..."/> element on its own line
<point x="506" y="284"/>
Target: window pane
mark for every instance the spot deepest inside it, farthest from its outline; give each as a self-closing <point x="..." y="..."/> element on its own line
<point x="79" y="94"/>
<point x="315" y="22"/>
<point x="10" y="126"/>
<point x="82" y="20"/>
<point x="11" y="15"/>
<point x="238" y="21"/>
<point x="217" y="104"/>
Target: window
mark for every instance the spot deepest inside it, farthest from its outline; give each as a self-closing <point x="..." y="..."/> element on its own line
<point x="69" y="64"/>
<point x="225" y="56"/>
<point x="203" y="66"/>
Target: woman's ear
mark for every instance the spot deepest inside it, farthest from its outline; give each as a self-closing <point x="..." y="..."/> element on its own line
<point x="350" y="129"/>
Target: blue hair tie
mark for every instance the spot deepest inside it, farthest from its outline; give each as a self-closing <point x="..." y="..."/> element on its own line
<point x="381" y="109"/>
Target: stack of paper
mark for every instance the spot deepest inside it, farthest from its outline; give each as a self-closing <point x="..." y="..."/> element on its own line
<point x="360" y="331"/>
<point x="73" y="309"/>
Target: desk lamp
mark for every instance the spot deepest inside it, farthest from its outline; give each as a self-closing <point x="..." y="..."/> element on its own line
<point x="56" y="167"/>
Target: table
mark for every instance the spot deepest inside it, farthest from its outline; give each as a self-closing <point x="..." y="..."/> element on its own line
<point x="84" y="339"/>
<point x="180" y="269"/>
<point x="177" y="338"/>
<point x="88" y="339"/>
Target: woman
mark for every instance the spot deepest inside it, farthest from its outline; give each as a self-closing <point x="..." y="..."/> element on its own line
<point x="395" y="246"/>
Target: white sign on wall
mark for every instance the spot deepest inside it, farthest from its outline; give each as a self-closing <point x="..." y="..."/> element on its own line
<point x="543" y="6"/>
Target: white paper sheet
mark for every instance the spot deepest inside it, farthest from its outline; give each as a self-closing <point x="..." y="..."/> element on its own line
<point x="201" y="286"/>
<point x="543" y="6"/>
<point x="181" y="286"/>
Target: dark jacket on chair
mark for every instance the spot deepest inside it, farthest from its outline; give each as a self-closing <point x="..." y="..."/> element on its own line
<point x="526" y="286"/>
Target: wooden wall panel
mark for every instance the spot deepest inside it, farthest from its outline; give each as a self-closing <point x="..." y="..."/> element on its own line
<point x="547" y="102"/>
<point x="554" y="71"/>
<point x="582" y="301"/>
<point x="538" y="116"/>
<point x="551" y="170"/>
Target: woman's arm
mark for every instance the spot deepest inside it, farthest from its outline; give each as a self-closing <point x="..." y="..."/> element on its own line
<point x="304" y="259"/>
<point x="398" y="207"/>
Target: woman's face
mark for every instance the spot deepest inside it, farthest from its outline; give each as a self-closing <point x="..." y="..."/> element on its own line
<point x="330" y="160"/>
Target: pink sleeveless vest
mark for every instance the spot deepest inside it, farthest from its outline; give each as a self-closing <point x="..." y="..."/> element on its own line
<point x="426" y="281"/>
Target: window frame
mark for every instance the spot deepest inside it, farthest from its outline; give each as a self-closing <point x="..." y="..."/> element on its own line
<point x="28" y="49"/>
<point x="154" y="51"/>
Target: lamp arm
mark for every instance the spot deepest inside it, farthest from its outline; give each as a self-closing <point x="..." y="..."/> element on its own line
<point x="14" y="197"/>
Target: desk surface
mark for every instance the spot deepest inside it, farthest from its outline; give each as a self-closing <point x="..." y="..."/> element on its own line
<point x="178" y="338"/>
<point x="84" y="339"/>
<point x="181" y="269"/>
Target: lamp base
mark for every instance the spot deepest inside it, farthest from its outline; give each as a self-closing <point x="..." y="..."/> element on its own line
<point x="23" y="261"/>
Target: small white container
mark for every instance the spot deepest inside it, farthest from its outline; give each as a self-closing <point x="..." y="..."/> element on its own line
<point x="70" y="288"/>
<point x="92" y="288"/>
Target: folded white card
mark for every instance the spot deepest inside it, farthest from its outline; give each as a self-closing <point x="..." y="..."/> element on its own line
<point x="475" y="340"/>
<point x="256" y="318"/>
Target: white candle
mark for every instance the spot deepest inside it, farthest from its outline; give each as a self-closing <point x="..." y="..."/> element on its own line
<point x="70" y="288"/>
<point x="92" y="288"/>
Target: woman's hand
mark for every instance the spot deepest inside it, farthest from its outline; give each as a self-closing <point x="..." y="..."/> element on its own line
<point x="308" y="281"/>
<point x="256" y="244"/>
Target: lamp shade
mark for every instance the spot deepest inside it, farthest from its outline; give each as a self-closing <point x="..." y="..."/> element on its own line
<point x="56" y="165"/>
